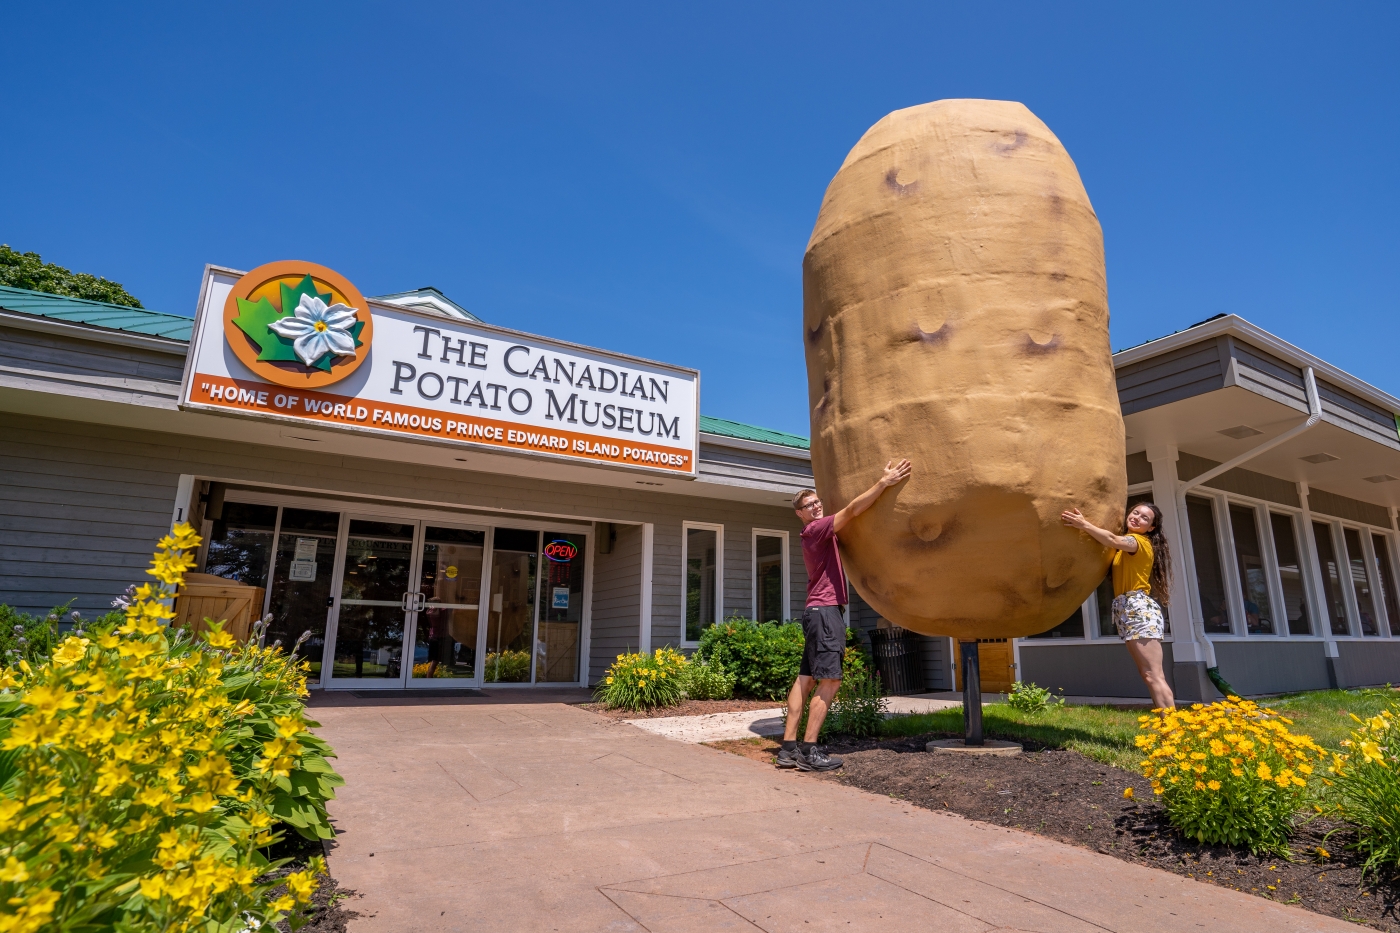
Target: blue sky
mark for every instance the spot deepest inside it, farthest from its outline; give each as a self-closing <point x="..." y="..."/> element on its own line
<point x="644" y="177"/>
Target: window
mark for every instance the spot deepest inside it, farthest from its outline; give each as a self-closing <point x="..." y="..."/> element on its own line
<point x="770" y="576"/>
<point x="1360" y="582"/>
<point x="1103" y="598"/>
<point x="1290" y="571"/>
<point x="1387" y="584"/>
<point x="240" y="543"/>
<point x="1209" y="580"/>
<point x="1249" y="560"/>
<point x="701" y="557"/>
<point x="1331" y="578"/>
<point x="1073" y="627"/>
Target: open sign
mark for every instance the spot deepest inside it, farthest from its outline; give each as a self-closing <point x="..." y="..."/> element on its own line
<point x="560" y="551"/>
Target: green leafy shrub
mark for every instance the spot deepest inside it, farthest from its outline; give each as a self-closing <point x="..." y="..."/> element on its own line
<point x="763" y="657"/>
<point x="1229" y="773"/>
<point x="1028" y="698"/>
<point x="1365" y="788"/>
<point x="509" y="667"/>
<point x="644" y="681"/>
<point x="138" y="788"/>
<point x="858" y="709"/>
<point x="24" y="637"/>
<point x="706" y="680"/>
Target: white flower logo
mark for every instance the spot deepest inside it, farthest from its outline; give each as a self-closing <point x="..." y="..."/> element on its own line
<point x="316" y="330"/>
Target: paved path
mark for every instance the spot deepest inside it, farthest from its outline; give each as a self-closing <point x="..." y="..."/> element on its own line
<point x="713" y="727"/>
<point x="506" y="814"/>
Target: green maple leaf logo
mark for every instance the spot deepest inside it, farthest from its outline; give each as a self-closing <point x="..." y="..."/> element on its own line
<point x="255" y="316"/>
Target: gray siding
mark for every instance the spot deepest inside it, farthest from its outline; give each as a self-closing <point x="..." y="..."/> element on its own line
<point x="1368" y="663"/>
<point x="83" y="504"/>
<point x="1267" y="375"/>
<point x="1261" y="666"/>
<point x="1086" y="670"/>
<point x="1241" y="481"/>
<point x="755" y="468"/>
<point x="1139" y="470"/>
<point x="937" y="664"/>
<point x="36" y="360"/>
<point x="1346" y="410"/>
<point x="1171" y="377"/>
<point x="617" y="601"/>
<point x="1329" y="503"/>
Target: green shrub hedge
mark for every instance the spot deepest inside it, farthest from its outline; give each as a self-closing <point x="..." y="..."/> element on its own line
<point x="763" y="657"/>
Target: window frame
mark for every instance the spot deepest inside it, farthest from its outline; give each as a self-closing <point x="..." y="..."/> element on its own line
<point x="754" y="535"/>
<point x="1368" y="559"/>
<point x="686" y="527"/>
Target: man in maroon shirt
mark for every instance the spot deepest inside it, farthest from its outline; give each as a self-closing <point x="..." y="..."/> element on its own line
<point x="824" y="620"/>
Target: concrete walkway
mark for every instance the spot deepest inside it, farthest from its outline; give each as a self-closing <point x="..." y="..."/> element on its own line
<point x="509" y="813"/>
<point x="714" y="727"/>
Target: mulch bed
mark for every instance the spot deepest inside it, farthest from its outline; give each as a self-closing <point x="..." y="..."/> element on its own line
<point x="688" y="708"/>
<point x="1066" y="796"/>
<point x="328" y="911"/>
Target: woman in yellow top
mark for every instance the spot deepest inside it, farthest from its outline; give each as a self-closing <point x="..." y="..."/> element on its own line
<point x="1141" y="567"/>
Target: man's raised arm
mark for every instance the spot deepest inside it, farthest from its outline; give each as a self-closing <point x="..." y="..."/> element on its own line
<point x="896" y="471"/>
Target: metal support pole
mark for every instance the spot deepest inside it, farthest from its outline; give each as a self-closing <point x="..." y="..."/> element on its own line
<point x="972" y="693"/>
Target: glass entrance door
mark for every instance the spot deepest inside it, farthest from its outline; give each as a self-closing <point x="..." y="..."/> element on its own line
<point x="409" y="605"/>
<point x="376" y="570"/>
<point x="448" y="606"/>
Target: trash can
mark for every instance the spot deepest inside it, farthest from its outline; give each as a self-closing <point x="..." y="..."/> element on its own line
<point x="898" y="660"/>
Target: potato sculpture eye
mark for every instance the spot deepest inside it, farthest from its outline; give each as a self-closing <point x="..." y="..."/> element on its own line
<point x="956" y="313"/>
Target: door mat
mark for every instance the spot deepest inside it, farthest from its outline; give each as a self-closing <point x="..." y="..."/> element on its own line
<point x="397" y="694"/>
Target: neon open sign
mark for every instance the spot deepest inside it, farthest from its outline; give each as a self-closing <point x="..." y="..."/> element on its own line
<point x="560" y="551"/>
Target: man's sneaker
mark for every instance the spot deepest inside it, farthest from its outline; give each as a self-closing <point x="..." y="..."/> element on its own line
<point x="787" y="758"/>
<point x="817" y="760"/>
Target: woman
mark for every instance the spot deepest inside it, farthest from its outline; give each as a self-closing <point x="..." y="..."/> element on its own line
<point x="1141" y="568"/>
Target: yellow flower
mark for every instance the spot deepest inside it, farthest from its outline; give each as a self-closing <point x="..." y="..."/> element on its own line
<point x="14" y="871"/>
<point x="1265" y="774"/>
<point x="1323" y="853"/>
<point x="1372" y="752"/>
<point x="1213" y="785"/>
<point x="1128" y="793"/>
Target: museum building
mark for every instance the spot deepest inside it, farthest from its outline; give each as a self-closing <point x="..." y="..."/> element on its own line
<point x="469" y="506"/>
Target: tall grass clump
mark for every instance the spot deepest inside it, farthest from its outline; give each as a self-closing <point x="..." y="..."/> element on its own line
<point x="1365" y="788"/>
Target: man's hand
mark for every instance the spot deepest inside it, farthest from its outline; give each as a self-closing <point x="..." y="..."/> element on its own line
<point x="896" y="471"/>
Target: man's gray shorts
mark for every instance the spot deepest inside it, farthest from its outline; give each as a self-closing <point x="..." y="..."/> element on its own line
<point x="824" y="635"/>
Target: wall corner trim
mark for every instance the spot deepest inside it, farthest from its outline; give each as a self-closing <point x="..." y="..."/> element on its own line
<point x="644" y="623"/>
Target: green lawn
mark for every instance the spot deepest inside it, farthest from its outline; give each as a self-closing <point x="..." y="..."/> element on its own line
<point x="1106" y="734"/>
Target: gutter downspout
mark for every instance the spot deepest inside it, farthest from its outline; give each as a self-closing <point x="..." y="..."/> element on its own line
<point x="1198" y="629"/>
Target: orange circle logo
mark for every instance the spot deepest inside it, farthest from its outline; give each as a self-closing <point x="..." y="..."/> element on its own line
<point x="297" y="324"/>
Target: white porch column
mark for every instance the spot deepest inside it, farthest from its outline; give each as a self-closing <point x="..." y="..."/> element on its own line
<point x="1317" y="593"/>
<point x="1164" y="482"/>
<point x="644" y="612"/>
<point x="184" y="495"/>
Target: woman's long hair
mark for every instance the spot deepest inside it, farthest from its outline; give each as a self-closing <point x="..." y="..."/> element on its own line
<point x="1160" y="577"/>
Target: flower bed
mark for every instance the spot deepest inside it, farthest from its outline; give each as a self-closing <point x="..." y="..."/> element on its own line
<point x="145" y="776"/>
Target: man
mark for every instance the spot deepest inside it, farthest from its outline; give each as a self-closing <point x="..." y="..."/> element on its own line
<point x="824" y="620"/>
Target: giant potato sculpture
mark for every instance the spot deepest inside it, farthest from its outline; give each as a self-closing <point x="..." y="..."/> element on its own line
<point x="955" y="312"/>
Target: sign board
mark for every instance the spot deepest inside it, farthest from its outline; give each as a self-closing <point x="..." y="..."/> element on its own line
<point x="296" y="342"/>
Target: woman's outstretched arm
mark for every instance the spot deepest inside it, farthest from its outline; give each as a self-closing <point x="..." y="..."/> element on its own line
<point x="1075" y="519"/>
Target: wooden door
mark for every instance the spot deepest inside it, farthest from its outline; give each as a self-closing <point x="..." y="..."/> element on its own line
<point x="995" y="664"/>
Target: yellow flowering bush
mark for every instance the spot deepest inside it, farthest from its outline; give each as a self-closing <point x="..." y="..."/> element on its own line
<point x="140" y="777"/>
<point x="644" y="681"/>
<point x="1229" y="773"/>
<point x="1365" y="788"/>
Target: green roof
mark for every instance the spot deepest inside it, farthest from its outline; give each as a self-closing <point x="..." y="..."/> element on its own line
<point x="176" y="327"/>
<point x="96" y="313"/>
<point x="750" y="433"/>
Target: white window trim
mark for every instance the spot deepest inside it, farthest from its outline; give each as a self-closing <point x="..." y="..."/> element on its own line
<point x="1339" y="528"/>
<point x="1302" y="520"/>
<point x="753" y="567"/>
<point x="719" y="574"/>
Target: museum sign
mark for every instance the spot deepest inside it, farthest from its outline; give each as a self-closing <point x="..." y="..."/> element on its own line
<point x="294" y="341"/>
